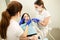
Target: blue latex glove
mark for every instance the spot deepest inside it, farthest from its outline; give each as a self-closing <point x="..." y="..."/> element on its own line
<point x="21" y="21"/>
<point x="29" y="21"/>
<point x="35" y="20"/>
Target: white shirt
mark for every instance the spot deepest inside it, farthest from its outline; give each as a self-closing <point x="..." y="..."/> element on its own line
<point x="14" y="31"/>
<point x="41" y="17"/>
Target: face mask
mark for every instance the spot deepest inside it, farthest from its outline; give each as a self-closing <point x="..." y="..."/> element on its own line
<point x="39" y="9"/>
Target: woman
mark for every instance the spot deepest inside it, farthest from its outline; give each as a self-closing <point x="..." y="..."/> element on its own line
<point x="10" y="29"/>
<point x="43" y="17"/>
<point x="32" y="33"/>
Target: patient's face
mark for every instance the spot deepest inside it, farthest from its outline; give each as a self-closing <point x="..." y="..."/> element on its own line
<point x="26" y="17"/>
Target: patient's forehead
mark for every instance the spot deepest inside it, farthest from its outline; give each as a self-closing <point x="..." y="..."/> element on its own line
<point x="26" y="15"/>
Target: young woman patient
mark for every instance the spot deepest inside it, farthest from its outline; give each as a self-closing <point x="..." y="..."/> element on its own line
<point x="25" y="19"/>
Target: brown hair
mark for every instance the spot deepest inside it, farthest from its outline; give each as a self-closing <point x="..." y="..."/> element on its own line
<point x="12" y="9"/>
<point x="39" y="3"/>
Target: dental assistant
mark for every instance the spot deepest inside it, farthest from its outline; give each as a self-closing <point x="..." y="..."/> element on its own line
<point x="43" y="17"/>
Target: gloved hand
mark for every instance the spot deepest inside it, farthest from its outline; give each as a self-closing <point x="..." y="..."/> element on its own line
<point x="29" y="21"/>
<point x="22" y="20"/>
<point x="35" y="20"/>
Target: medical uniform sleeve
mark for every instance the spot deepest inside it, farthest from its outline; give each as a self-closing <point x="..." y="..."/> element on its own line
<point x="19" y="31"/>
<point x="47" y="14"/>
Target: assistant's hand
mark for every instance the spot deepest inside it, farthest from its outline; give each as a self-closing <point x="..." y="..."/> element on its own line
<point x="35" y="20"/>
<point x="22" y="20"/>
<point x="28" y="22"/>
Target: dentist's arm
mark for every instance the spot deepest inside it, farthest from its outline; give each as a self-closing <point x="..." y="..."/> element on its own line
<point x="44" y="22"/>
<point x="24" y="35"/>
<point x="25" y="32"/>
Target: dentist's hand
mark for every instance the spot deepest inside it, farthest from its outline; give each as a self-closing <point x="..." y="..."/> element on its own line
<point x="22" y="20"/>
<point x="28" y="22"/>
<point x="35" y="20"/>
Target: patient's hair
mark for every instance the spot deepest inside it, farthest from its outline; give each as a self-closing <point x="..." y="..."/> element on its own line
<point x="23" y="17"/>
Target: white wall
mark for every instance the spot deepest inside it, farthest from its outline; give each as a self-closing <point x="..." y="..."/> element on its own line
<point x="28" y="6"/>
<point x="53" y="6"/>
<point x="2" y="6"/>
